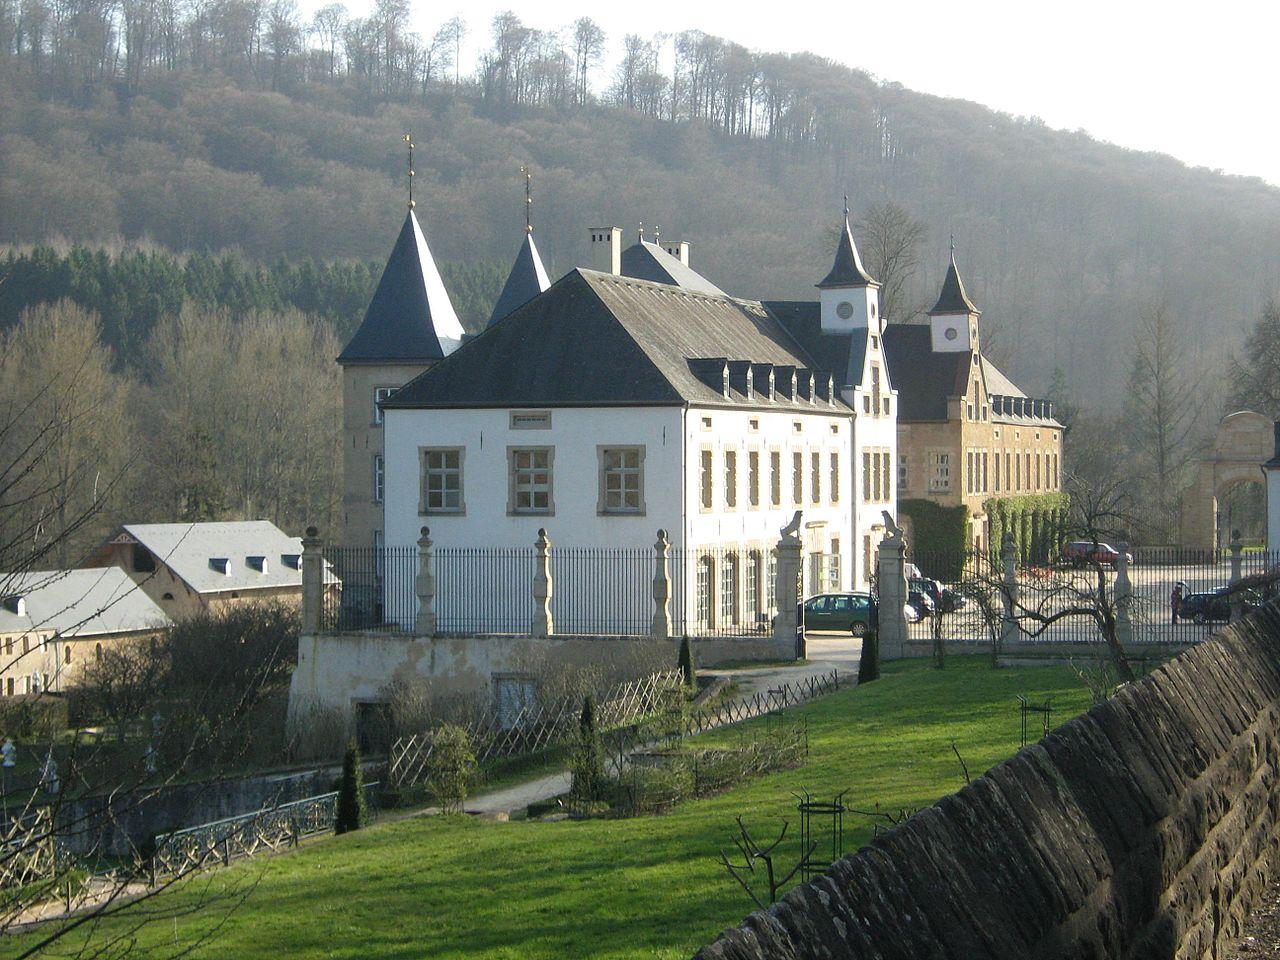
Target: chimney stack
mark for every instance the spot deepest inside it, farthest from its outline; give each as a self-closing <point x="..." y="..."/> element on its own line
<point x="606" y="249"/>
<point x="678" y="249"/>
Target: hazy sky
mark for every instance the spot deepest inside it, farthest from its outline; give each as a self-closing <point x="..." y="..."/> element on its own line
<point x="1196" y="82"/>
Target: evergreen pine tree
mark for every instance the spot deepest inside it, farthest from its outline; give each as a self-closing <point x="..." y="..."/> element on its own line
<point x="352" y="810"/>
<point x="588" y="760"/>
<point x="688" y="669"/>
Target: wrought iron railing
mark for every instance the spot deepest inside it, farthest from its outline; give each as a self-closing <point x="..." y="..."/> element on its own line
<point x="762" y="702"/>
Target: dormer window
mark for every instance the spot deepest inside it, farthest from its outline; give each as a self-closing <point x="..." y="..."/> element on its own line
<point x="258" y="564"/>
<point x="17" y="605"/>
<point x="220" y="565"/>
<point x="291" y="561"/>
<point x="725" y="388"/>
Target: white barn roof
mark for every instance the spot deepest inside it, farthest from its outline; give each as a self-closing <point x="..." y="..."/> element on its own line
<point x="76" y="603"/>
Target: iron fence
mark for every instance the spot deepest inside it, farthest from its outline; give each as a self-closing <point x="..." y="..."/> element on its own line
<point x="762" y="702"/>
<point x="271" y="828"/>
<point x="1065" y="601"/>
<point x="375" y="589"/>
<point x="484" y="590"/>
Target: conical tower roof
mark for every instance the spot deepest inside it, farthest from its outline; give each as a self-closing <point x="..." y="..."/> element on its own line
<point x="410" y="318"/>
<point x="527" y="279"/>
<point x="953" y="298"/>
<point x="847" y="271"/>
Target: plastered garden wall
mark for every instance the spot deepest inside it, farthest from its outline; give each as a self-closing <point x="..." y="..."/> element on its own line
<point x="1144" y="828"/>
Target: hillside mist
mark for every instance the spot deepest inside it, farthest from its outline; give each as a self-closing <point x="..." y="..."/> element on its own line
<point x="1063" y="241"/>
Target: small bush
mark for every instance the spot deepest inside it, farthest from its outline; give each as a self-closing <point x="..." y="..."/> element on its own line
<point x="352" y="810"/>
<point x="451" y="767"/>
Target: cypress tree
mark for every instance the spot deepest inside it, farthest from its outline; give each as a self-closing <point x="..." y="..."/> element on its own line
<point x="869" y="662"/>
<point x="686" y="666"/>
<point x="588" y="760"/>
<point x="352" y="811"/>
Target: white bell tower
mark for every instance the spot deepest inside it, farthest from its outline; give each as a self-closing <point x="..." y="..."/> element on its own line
<point x="954" y="319"/>
<point x="850" y="298"/>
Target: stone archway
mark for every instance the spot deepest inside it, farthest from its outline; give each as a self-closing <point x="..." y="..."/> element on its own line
<point x="1244" y="442"/>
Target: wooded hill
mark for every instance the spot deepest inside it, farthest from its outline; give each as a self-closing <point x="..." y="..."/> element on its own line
<point x="182" y="142"/>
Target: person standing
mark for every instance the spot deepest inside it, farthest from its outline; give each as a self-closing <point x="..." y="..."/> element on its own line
<point x="1175" y="601"/>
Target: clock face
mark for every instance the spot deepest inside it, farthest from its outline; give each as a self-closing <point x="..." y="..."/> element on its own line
<point x="951" y="333"/>
<point x="844" y="309"/>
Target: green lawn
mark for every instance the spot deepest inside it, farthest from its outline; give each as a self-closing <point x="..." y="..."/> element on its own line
<point x="649" y="887"/>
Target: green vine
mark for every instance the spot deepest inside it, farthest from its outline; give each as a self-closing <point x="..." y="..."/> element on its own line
<point x="940" y="537"/>
<point x="1036" y="520"/>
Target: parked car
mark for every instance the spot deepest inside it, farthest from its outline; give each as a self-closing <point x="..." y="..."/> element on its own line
<point x="1080" y="552"/>
<point x="944" y="598"/>
<point x="1213" y="606"/>
<point x="851" y="612"/>
<point x="920" y="597"/>
<point x="911" y="613"/>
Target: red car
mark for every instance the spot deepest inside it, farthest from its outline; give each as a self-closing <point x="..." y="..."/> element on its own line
<point x="1080" y="552"/>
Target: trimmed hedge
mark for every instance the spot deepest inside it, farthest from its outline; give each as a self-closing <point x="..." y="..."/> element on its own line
<point x="1036" y="520"/>
<point x="940" y="537"/>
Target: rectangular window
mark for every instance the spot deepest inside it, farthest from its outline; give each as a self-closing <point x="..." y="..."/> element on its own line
<point x="1007" y="484"/>
<point x="997" y="471"/>
<point x="753" y="587"/>
<point x="985" y="464"/>
<point x="730" y="478"/>
<point x="940" y="476"/>
<point x="621" y="480"/>
<point x="729" y="590"/>
<point x="530" y="420"/>
<point x="1037" y="471"/>
<point x="753" y="478"/>
<point x="775" y="478"/>
<point x="1027" y="472"/>
<point x="380" y="394"/>
<point x="797" y="478"/>
<point x="815" y="477"/>
<point x="867" y="566"/>
<point x="1017" y="471"/>
<point x="877" y="482"/>
<point x="703" y="596"/>
<point x="379" y="477"/>
<point x="875" y="388"/>
<point x="866" y="476"/>
<point x="706" y="480"/>
<point x="531" y="480"/>
<point x="834" y="482"/>
<point x="887" y="472"/>
<point x="968" y="471"/>
<point x="833" y="565"/>
<point x="904" y="479"/>
<point x="442" y="481"/>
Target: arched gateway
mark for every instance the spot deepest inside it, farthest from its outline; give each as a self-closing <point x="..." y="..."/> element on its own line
<point x="1242" y="444"/>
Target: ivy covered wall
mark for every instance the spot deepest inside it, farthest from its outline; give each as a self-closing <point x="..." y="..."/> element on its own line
<point x="1036" y="520"/>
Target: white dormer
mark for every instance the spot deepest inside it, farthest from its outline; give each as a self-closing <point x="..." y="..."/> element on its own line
<point x="953" y="320"/>
<point x="850" y="298"/>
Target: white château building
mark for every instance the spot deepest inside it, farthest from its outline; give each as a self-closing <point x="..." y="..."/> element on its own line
<point x="639" y="396"/>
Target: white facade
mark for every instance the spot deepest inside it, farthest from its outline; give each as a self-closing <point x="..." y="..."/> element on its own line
<point x="875" y="459"/>
<point x="688" y="458"/>
<point x="953" y="332"/>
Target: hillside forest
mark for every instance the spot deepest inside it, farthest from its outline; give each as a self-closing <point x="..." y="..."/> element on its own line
<point x="196" y="200"/>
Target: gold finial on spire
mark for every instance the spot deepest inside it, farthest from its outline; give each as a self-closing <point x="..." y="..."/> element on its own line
<point x="528" y="199"/>
<point x="408" y="138"/>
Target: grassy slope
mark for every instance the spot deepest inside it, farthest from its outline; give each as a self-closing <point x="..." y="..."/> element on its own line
<point x="649" y="887"/>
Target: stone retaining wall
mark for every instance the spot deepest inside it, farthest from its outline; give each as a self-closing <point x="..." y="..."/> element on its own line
<point x="1144" y="828"/>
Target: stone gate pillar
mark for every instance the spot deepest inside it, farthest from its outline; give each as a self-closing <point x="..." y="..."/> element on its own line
<point x="312" y="580"/>
<point x="660" y="628"/>
<point x="543" y="624"/>
<point x="787" y="590"/>
<point x="891" y="576"/>
<point x="425" y="584"/>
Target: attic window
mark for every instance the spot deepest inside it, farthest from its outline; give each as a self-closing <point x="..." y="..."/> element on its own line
<point x="220" y="565"/>
<point x="706" y="423"/>
<point x="754" y="424"/>
<point x="292" y="561"/>
<point x="797" y="426"/>
<point x="726" y="381"/>
<point x="530" y="419"/>
<point x="16" y="605"/>
<point x="256" y="563"/>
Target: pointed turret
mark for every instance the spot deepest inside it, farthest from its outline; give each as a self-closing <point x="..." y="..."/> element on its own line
<point x="410" y="318"/>
<point x="953" y="298"/>
<point x="850" y="297"/>
<point x="954" y="318"/>
<point x="526" y="280"/>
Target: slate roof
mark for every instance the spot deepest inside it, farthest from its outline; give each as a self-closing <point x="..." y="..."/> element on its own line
<point x="527" y="279"/>
<point x="841" y="353"/>
<point x="952" y="298"/>
<point x="188" y="549"/>
<point x="410" y="318"/>
<point x="847" y="270"/>
<point x="924" y="379"/>
<point x="594" y="339"/>
<point x="648" y="261"/>
<point x="78" y="603"/>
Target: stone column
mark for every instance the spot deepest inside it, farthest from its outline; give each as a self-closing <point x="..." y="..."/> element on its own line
<point x="425" y="585"/>
<point x="1237" y="574"/>
<point x="312" y="581"/>
<point x="1009" y="588"/>
<point x="787" y="592"/>
<point x="543" y="625"/>
<point x="892" y="578"/>
<point x="660" y="628"/>
<point x="1123" y="593"/>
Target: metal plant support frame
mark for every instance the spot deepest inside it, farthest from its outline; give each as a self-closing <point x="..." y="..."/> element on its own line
<point x="834" y="809"/>
<point x="1042" y="710"/>
<point x="221" y="841"/>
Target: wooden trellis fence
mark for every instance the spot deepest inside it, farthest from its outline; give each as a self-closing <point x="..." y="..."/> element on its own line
<point x="221" y="841"/>
<point x="762" y="702"/>
<point x="28" y="851"/>
<point x="536" y="726"/>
